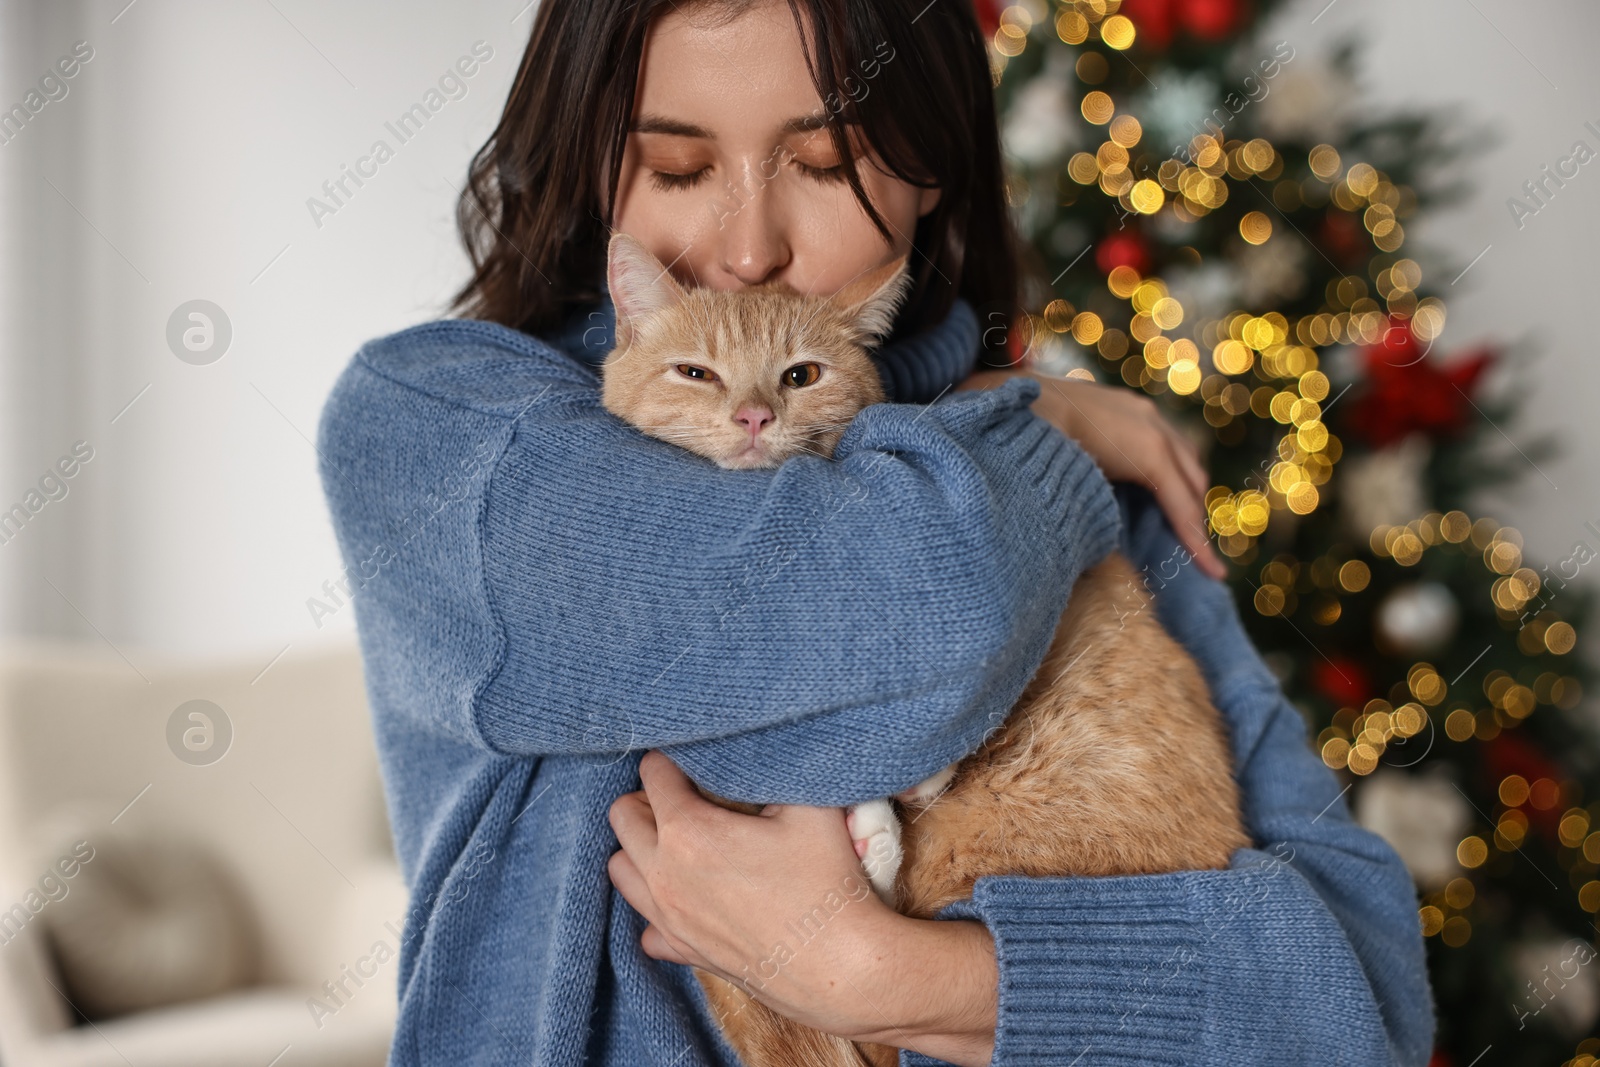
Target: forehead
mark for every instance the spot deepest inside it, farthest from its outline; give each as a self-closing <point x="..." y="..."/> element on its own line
<point x="758" y="321"/>
<point x="729" y="78"/>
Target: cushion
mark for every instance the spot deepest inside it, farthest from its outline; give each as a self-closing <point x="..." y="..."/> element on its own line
<point x="149" y="921"/>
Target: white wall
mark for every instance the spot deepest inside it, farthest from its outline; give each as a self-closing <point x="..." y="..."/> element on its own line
<point x="190" y="143"/>
<point x="192" y="139"/>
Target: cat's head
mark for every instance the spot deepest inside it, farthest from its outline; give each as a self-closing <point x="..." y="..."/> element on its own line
<point x="746" y="377"/>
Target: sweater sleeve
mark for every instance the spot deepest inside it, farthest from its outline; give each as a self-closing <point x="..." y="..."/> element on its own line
<point x="1305" y="950"/>
<point x="820" y="633"/>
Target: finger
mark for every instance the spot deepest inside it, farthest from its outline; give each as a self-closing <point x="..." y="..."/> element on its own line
<point x="1189" y="461"/>
<point x="670" y="791"/>
<point x="1187" y="518"/>
<point x="1195" y="536"/>
<point x="633" y="820"/>
<point x="1199" y="539"/>
<point x="822" y="820"/>
<point x="627" y="879"/>
<point x="658" y="946"/>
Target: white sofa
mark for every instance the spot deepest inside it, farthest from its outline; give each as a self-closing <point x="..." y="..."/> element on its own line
<point x="293" y="811"/>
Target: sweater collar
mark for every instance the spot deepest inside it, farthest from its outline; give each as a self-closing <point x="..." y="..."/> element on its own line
<point x="587" y="337"/>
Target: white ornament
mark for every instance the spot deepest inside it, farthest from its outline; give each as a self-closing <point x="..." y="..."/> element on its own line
<point x="1383" y="487"/>
<point x="1309" y="100"/>
<point x="1042" y="124"/>
<point x="1207" y="290"/>
<point x="1419" y="619"/>
<point x="1557" y="983"/>
<point x="1422" y="815"/>
<point x="1177" y="113"/>
<point x="1271" y="271"/>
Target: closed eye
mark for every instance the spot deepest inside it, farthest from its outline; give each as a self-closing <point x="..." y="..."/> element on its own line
<point x="699" y="374"/>
<point x="826" y="175"/>
<point x="667" y="181"/>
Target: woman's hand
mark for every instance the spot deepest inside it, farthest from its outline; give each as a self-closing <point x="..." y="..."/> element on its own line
<point x="778" y="903"/>
<point x="1132" y="442"/>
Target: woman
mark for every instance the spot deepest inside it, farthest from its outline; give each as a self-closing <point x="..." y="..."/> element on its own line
<point x="555" y="611"/>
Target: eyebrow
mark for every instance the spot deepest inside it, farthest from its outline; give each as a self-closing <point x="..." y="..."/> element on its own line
<point x="662" y="124"/>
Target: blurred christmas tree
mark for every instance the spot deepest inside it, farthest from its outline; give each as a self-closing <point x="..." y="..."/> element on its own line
<point x="1225" y="229"/>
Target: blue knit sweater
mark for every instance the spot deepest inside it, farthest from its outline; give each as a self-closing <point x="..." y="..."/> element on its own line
<point x="542" y="593"/>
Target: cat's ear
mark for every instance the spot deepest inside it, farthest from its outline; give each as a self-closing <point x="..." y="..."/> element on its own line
<point x="639" y="284"/>
<point x="870" y="302"/>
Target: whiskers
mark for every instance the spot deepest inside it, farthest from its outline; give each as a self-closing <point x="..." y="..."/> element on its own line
<point x="678" y="433"/>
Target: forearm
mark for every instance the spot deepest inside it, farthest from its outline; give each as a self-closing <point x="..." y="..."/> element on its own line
<point x="931" y="986"/>
<point x="699" y="583"/>
<point x="989" y="377"/>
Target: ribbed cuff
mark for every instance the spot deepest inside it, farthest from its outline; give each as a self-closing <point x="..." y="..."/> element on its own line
<point x="1104" y="970"/>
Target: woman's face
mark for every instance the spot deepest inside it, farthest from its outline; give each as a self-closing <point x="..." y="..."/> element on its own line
<point x="727" y="177"/>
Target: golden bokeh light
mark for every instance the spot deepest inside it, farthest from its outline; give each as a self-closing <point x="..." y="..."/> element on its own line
<point x="1324" y="160"/>
<point x="1255" y="227"/>
<point x="1232" y="357"/>
<point x="1072" y="27"/>
<point x="1147" y="197"/>
<point x="1118" y="32"/>
<point x="1560" y="638"/>
<point x="1167" y="312"/>
<point x="1122" y="281"/>
<point x="1087" y="328"/>
<point x="1097" y="107"/>
<point x="1083" y="168"/>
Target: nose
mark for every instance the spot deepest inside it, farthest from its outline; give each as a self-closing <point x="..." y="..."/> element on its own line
<point x="752" y="239"/>
<point x="753" y="417"/>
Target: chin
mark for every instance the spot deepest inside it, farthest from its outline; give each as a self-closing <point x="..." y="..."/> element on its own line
<point x="744" y="461"/>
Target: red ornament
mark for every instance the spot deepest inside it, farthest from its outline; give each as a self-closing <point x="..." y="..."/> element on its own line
<point x="1511" y="753"/>
<point x="1440" y="1058"/>
<point x="1341" y="237"/>
<point x="1407" y="392"/>
<point x="1126" y="249"/>
<point x="1152" y="20"/>
<point x="1210" y="20"/>
<point x="988" y="12"/>
<point x="1342" y="680"/>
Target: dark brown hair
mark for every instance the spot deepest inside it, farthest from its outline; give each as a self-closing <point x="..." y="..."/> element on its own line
<point x="541" y="192"/>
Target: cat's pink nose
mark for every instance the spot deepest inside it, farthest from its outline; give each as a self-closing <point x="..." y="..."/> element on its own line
<point x="753" y="417"/>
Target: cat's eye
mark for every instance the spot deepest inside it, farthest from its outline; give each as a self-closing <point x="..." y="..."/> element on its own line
<point x="699" y="374"/>
<point x="801" y="374"/>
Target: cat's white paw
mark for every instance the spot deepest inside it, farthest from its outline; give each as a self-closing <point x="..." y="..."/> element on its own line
<point x="924" y="791"/>
<point x="875" y="829"/>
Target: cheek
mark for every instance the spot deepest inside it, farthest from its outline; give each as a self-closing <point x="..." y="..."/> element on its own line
<point x="837" y="239"/>
<point x="664" y="221"/>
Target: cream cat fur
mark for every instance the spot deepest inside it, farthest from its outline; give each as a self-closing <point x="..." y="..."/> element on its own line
<point x="1112" y="762"/>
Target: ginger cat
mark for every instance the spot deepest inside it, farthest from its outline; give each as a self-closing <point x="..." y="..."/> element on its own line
<point x="1114" y="760"/>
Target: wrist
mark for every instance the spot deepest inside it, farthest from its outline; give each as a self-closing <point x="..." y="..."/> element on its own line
<point x="940" y="989"/>
<point x="988" y="377"/>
